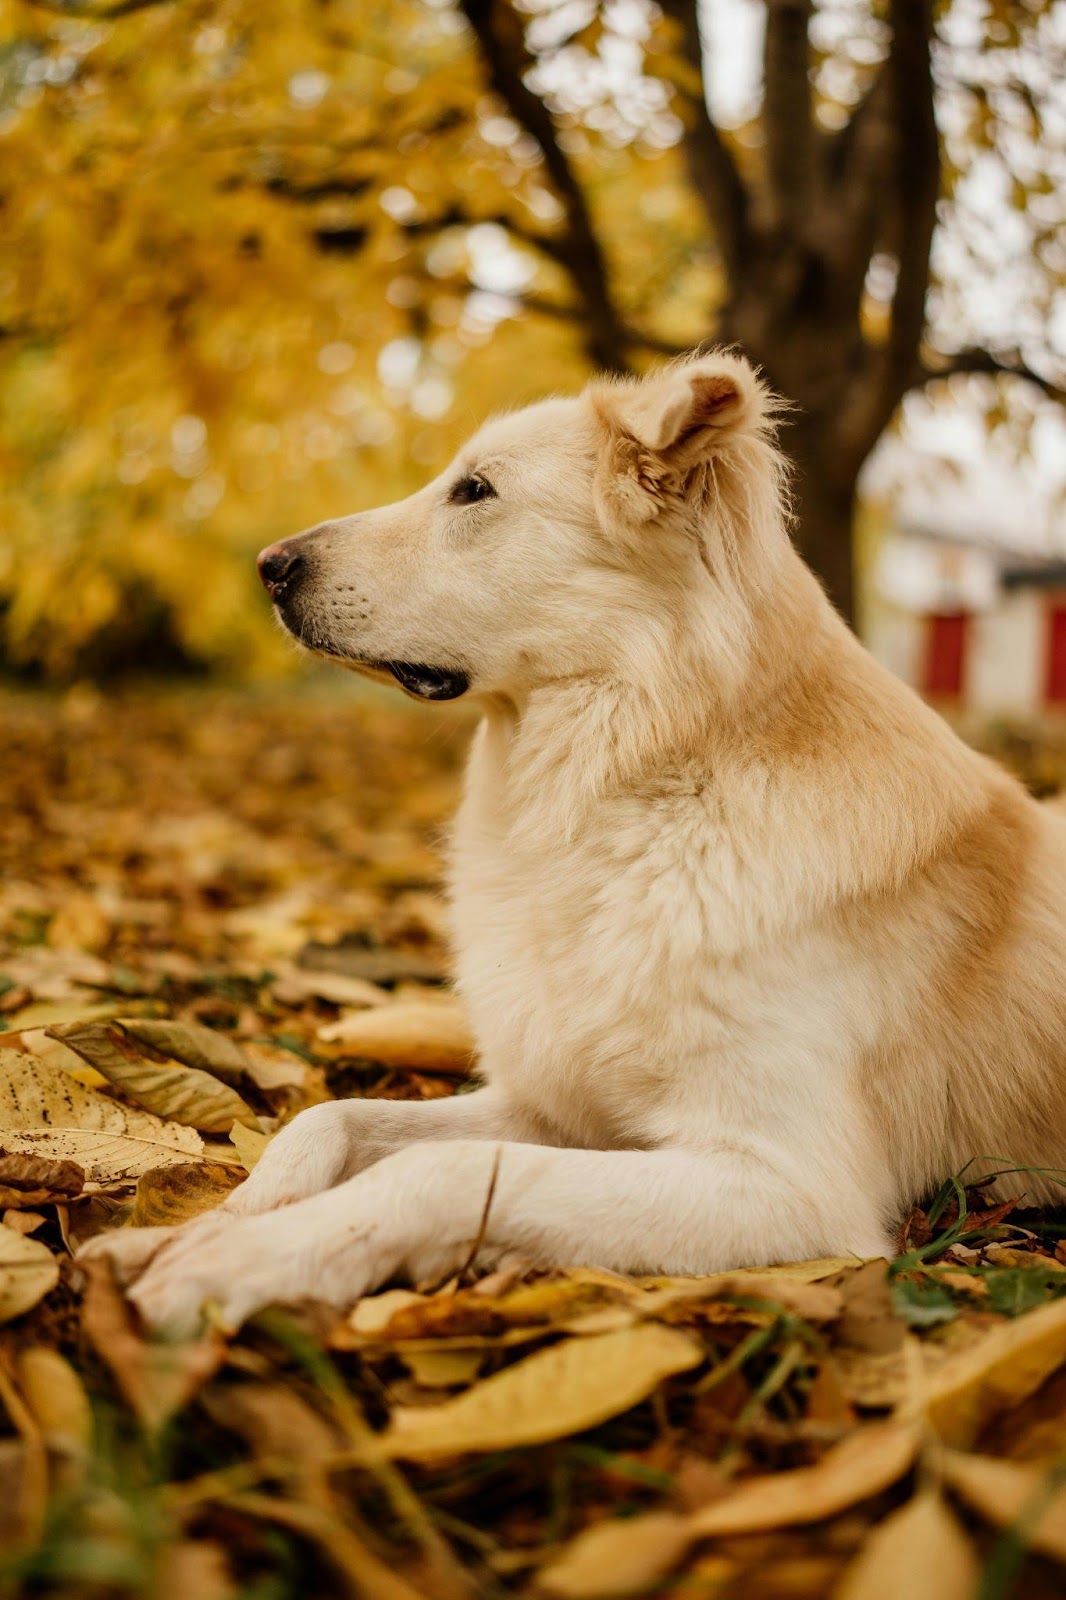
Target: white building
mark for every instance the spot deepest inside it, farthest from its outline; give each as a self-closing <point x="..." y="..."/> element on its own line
<point x="969" y="623"/>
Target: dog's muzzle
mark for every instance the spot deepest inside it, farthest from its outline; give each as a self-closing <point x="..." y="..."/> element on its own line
<point x="282" y="568"/>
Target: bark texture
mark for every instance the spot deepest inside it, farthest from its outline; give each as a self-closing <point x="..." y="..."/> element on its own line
<point x="795" y="251"/>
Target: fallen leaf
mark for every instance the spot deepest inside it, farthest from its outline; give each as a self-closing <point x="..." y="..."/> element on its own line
<point x="271" y="1067"/>
<point x="563" y="1389"/>
<point x="107" y="1157"/>
<point x="293" y="985"/>
<point x="1008" y="1493"/>
<point x="56" y="1397"/>
<point x="443" y="1369"/>
<point x="425" y="1036"/>
<point x="154" y="1378"/>
<point x="192" y="1044"/>
<point x="45" y="1113"/>
<point x="374" y="1313"/>
<point x="28" y="1271"/>
<point x="814" y="1302"/>
<point x="23" y="1221"/>
<point x="919" y="1551"/>
<point x="1007" y="1364"/>
<point x="182" y="1094"/>
<point x="169" y="1195"/>
<point x="860" y="1466"/>
<point x="249" y="1144"/>
<point x="619" y="1557"/>
<point x="27" y="1181"/>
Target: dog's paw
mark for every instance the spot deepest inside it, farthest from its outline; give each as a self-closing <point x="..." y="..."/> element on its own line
<point x="131" y="1250"/>
<point x="256" y="1262"/>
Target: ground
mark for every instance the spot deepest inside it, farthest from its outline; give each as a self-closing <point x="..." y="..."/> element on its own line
<point x="217" y="908"/>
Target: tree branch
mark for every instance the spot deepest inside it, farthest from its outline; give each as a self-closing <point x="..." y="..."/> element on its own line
<point x="902" y="123"/>
<point x="977" y="360"/>
<point x="711" y="168"/>
<point x="916" y="182"/>
<point x="787" y="111"/>
<point x="499" y="34"/>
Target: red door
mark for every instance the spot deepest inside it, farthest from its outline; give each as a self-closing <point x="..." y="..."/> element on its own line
<point x="1055" y="661"/>
<point x="946" y="641"/>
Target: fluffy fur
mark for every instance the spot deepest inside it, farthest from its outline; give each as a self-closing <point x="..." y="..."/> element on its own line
<point x="755" y="949"/>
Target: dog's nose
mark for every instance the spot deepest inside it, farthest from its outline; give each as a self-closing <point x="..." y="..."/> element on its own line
<point x="278" y="564"/>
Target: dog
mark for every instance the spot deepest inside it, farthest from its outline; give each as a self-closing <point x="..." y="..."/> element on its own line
<point x="755" y="949"/>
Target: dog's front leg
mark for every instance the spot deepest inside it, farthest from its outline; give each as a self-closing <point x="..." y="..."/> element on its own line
<point x="424" y="1212"/>
<point x="320" y="1148"/>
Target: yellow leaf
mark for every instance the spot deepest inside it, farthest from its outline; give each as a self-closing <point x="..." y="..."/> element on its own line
<point x="192" y="1044"/>
<point x="558" y="1391"/>
<point x="170" y="1195"/>
<point x="443" y="1369"/>
<point x="28" y="1271"/>
<point x="56" y="1396"/>
<point x="1007" y="1364"/>
<point x="45" y="1112"/>
<point x="861" y="1465"/>
<point x="618" y="1557"/>
<point x="427" y="1036"/>
<point x="249" y="1144"/>
<point x="1008" y="1492"/>
<point x="182" y="1094"/>
<point x="919" y="1551"/>
<point x="107" y="1157"/>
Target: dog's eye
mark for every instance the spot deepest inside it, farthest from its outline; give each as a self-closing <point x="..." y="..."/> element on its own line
<point x="469" y="490"/>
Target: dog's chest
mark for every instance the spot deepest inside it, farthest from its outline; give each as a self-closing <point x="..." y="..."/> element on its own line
<point x="603" y="973"/>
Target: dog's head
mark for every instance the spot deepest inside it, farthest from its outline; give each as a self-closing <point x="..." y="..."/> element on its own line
<point x="570" y="539"/>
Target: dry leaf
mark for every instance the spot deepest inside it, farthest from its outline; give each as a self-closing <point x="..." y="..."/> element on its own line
<point x="860" y="1466"/>
<point x="1010" y="1362"/>
<point x="27" y="1181"/>
<point x="45" y="1113"/>
<point x="814" y="1302"/>
<point x="618" y="1557"/>
<point x="1006" y="1493"/>
<point x="192" y="1044"/>
<point x="249" y="1144"/>
<point x="271" y="1067"/>
<point x="920" y="1552"/>
<point x="374" y="1313"/>
<point x="28" y="1271"/>
<point x="293" y="985"/>
<point x="108" y="1158"/>
<point x="22" y="1221"/>
<point x="182" y="1094"/>
<point x="561" y="1390"/>
<point x="169" y="1195"/>
<point x="427" y="1036"/>
<point x="155" y="1379"/>
<point x="443" y="1369"/>
<point x="57" y="1399"/>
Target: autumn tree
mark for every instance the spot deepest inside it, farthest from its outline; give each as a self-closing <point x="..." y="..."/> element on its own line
<point x="273" y="258"/>
<point x="823" y="221"/>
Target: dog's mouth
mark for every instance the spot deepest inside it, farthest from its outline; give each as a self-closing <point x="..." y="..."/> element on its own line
<point x="426" y="683"/>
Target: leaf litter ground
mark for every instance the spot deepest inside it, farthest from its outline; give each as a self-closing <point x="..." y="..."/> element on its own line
<point x="219" y="909"/>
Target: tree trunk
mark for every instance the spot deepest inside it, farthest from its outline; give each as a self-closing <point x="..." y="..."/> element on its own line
<point x="825" y="516"/>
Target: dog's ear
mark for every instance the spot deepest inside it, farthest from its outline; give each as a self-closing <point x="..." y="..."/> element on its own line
<point x="660" y="428"/>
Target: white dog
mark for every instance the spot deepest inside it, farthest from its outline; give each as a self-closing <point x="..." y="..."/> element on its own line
<point x="755" y="949"/>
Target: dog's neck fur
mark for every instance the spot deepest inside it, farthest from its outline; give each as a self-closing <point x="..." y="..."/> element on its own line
<point x="764" y="714"/>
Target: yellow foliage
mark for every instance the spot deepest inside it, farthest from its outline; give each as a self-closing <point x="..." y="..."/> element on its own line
<point x="245" y="296"/>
